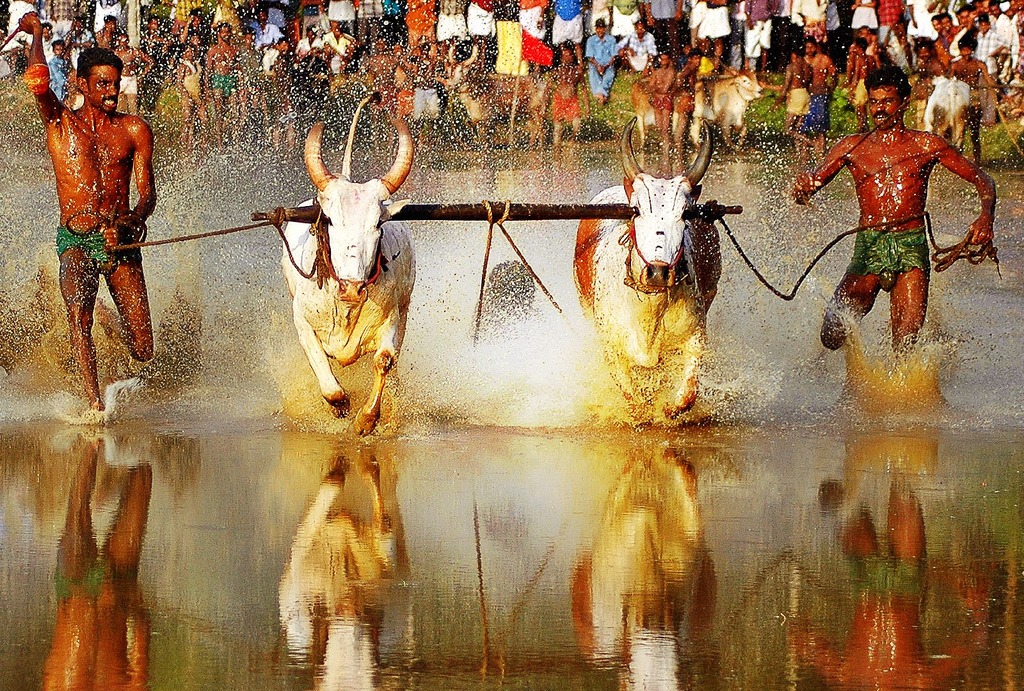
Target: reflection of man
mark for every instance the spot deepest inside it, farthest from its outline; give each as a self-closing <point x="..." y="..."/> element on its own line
<point x="891" y="574"/>
<point x="101" y="637"/>
<point x="95" y="151"/>
<point x="332" y="594"/>
<point x="648" y="565"/>
<point x="890" y="168"/>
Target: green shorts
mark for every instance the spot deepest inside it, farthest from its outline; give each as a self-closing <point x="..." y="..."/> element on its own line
<point x="888" y="254"/>
<point x="93" y="244"/>
<point x="227" y="84"/>
<point x="89" y="584"/>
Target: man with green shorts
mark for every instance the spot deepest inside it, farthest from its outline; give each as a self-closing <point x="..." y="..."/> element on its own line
<point x="96" y="151"/>
<point x="891" y="166"/>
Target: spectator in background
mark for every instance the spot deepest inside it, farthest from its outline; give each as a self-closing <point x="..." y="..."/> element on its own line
<point x="267" y="34"/>
<point x="368" y="26"/>
<point x="965" y="22"/>
<point x="60" y="69"/>
<point x="392" y="24"/>
<point x="565" y="100"/>
<point x="992" y="49"/>
<point x="638" y="50"/>
<point x="421" y="21"/>
<point x="973" y="72"/>
<point x="568" y="27"/>
<point x="601" y="52"/>
<point x="344" y="13"/>
<point x="824" y="78"/>
<point x="625" y="15"/>
<point x="531" y="17"/>
<point x="451" y="22"/>
<point x="758" y="39"/>
<point x="890" y="13"/>
<point x="665" y="19"/>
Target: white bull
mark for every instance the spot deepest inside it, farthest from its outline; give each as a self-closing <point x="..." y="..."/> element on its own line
<point x="352" y="295"/>
<point x="649" y="282"/>
<point x="946" y="112"/>
<point x="725" y="105"/>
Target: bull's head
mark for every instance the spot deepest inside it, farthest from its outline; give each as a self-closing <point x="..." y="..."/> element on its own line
<point x="356" y="211"/>
<point x="658" y="227"/>
<point x="748" y="87"/>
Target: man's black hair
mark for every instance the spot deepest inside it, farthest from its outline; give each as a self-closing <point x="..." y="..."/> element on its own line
<point x="58" y="41"/>
<point x="943" y="15"/>
<point x="97" y="57"/>
<point x="861" y="42"/>
<point x="983" y="17"/>
<point x="969" y="40"/>
<point x="888" y="75"/>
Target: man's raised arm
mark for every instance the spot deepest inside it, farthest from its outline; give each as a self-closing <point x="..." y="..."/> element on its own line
<point x="143" y="167"/>
<point x="981" y="229"/>
<point x="37" y="75"/>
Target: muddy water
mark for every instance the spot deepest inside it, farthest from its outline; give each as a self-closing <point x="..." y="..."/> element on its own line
<point x="738" y="559"/>
<point x="814" y="525"/>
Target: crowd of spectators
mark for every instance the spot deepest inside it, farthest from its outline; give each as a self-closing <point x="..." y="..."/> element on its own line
<point x="273" y="66"/>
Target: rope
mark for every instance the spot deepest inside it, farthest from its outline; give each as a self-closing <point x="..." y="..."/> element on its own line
<point x="196" y="236"/>
<point x="500" y="223"/>
<point x="942" y="257"/>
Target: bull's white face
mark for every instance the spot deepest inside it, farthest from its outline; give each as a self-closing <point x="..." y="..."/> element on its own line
<point x="356" y="211"/>
<point x="748" y="88"/>
<point x="659" y="224"/>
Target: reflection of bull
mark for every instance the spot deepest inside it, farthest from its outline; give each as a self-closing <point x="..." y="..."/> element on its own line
<point x="361" y="272"/>
<point x="725" y="105"/>
<point x="333" y="590"/>
<point x="651" y="317"/>
<point x="946" y="112"/>
<point x="649" y="564"/>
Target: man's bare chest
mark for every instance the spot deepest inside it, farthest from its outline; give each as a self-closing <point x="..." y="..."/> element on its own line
<point x="80" y="145"/>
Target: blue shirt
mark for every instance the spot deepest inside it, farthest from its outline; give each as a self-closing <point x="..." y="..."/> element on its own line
<point x="568" y="9"/>
<point x="601" y="49"/>
<point x="59" y="70"/>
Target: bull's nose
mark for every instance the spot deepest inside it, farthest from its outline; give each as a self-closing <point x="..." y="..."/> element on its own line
<point x="352" y="291"/>
<point x="657" y="274"/>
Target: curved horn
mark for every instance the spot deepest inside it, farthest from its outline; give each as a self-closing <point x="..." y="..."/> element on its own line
<point x="403" y="161"/>
<point x="700" y="164"/>
<point x="346" y="164"/>
<point x="629" y="165"/>
<point x="318" y="172"/>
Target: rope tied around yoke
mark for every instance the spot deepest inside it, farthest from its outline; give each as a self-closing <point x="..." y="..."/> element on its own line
<point x="500" y="223"/>
<point x="942" y="257"/>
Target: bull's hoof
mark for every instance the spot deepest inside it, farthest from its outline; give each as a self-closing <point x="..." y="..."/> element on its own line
<point x="672" y="412"/>
<point x="365" y="423"/>
<point x="340" y="406"/>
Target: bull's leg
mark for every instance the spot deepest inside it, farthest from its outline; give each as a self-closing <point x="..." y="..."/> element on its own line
<point x="686" y="395"/>
<point x="369" y="414"/>
<point x="321" y="366"/>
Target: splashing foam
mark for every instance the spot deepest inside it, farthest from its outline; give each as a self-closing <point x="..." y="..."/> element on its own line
<point x="891" y="383"/>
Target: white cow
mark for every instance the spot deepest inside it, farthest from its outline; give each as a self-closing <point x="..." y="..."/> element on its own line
<point x="946" y="112"/>
<point x="728" y="102"/>
<point x="649" y="282"/>
<point x="356" y="297"/>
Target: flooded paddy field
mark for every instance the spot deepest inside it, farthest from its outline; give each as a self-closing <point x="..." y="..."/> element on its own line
<point x="819" y="520"/>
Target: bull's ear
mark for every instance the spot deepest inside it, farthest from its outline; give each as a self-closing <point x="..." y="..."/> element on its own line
<point x="628" y="184"/>
<point x="391" y="209"/>
<point x="695" y="192"/>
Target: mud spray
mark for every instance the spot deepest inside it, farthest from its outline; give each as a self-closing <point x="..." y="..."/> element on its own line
<point x="227" y="350"/>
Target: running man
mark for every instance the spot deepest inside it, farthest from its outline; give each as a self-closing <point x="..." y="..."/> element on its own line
<point x="891" y="166"/>
<point x="95" y="151"/>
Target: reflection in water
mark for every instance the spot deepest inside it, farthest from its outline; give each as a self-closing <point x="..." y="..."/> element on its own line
<point x="649" y="564"/>
<point x="101" y="637"/>
<point x="335" y="585"/>
<point x="891" y="575"/>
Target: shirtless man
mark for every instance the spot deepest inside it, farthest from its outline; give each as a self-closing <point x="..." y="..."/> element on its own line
<point x="974" y="73"/>
<point x="95" y="151"/>
<point x="860" y="61"/>
<point x="928" y="68"/>
<point x="824" y="78"/>
<point x="565" y="99"/>
<point x="891" y="166"/>
<point x="136" y="65"/>
<point x="222" y="82"/>
<point x="660" y="85"/>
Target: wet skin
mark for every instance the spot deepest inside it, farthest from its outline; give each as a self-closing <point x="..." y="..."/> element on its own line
<point x="890" y="168"/>
<point x="95" y="152"/>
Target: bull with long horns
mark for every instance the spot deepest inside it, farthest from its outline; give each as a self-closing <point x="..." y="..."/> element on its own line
<point x="648" y="283"/>
<point x="351" y="280"/>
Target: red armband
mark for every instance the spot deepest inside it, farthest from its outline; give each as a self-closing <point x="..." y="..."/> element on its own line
<point x="37" y="79"/>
